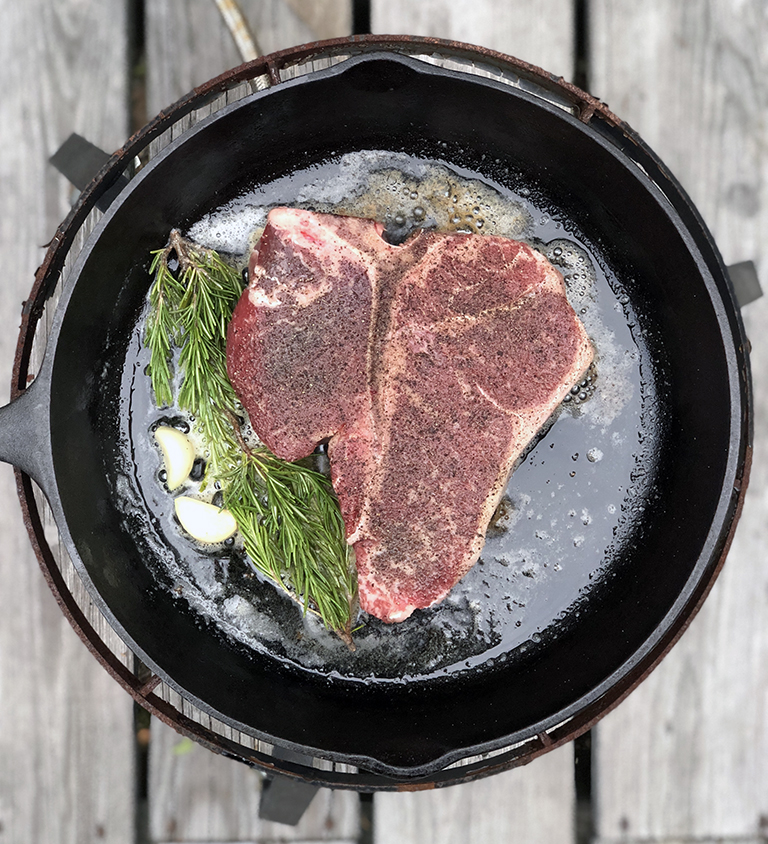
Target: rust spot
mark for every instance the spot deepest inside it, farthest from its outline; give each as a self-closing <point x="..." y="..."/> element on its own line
<point x="274" y="73"/>
<point x="415" y="786"/>
<point x="586" y="112"/>
<point x="149" y="686"/>
<point x="545" y="739"/>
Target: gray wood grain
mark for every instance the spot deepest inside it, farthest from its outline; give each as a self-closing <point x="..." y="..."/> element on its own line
<point x="540" y="33"/>
<point x="686" y="756"/>
<point x="188" y="43"/>
<point x="66" y="744"/>
<point x="199" y="796"/>
<point x="523" y="806"/>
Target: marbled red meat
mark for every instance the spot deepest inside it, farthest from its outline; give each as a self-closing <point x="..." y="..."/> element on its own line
<point x="428" y="367"/>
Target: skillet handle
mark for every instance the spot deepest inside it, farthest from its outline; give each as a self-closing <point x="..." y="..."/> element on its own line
<point x="25" y="440"/>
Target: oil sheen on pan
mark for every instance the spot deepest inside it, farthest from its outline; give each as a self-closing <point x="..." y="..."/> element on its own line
<point x="570" y="507"/>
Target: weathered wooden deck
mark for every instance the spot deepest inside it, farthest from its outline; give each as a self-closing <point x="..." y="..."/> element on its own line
<point x="685" y="758"/>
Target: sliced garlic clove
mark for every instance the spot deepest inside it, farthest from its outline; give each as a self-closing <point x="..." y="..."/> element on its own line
<point x="202" y="521"/>
<point x="178" y="455"/>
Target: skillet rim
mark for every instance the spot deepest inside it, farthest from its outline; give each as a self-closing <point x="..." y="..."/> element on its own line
<point x="732" y="504"/>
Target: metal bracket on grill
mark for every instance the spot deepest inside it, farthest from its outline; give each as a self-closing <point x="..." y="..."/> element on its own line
<point x="285" y="800"/>
<point x="745" y="282"/>
<point x="81" y="161"/>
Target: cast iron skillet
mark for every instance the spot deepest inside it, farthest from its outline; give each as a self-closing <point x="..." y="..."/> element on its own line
<point x="63" y="431"/>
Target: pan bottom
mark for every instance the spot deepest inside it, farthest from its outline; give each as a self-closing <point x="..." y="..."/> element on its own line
<point x="572" y="507"/>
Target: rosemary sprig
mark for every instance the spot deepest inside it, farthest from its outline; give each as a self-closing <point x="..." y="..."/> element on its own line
<point x="292" y="527"/>
<point x="287" y="514"/>
<point x="191" y="310"/>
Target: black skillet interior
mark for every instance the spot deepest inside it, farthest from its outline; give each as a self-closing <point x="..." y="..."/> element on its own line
<point x="684" y="311"/>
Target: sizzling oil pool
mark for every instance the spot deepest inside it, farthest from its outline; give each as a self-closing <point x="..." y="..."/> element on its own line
<point x="569" y="507"/>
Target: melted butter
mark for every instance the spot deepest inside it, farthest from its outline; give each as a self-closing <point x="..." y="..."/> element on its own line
<point x="438" y="199"/>
<point x="412" y="195"/>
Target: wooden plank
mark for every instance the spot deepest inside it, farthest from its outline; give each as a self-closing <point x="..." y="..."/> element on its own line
<point x="535" y="803"/>
<point x="540" y="33"/>
<point x="188" y="43"/>
<point x="522" y="806"/>
<point x="685" y="756"/>
<point x="66" y="743"/>
<point x="682" y="840"/>
<point x="196" y="795"/>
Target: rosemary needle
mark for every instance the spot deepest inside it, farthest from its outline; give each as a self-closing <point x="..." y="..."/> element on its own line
<point x="287" y="514"/>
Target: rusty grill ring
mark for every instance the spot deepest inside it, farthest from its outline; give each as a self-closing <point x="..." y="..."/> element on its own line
<point x="146" y="688"/>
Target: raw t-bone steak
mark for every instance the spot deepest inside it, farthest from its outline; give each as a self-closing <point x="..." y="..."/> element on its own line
<point x="428" y="366"/>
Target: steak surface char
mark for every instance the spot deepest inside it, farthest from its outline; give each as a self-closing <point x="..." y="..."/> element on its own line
<point x="428" y="367"/>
